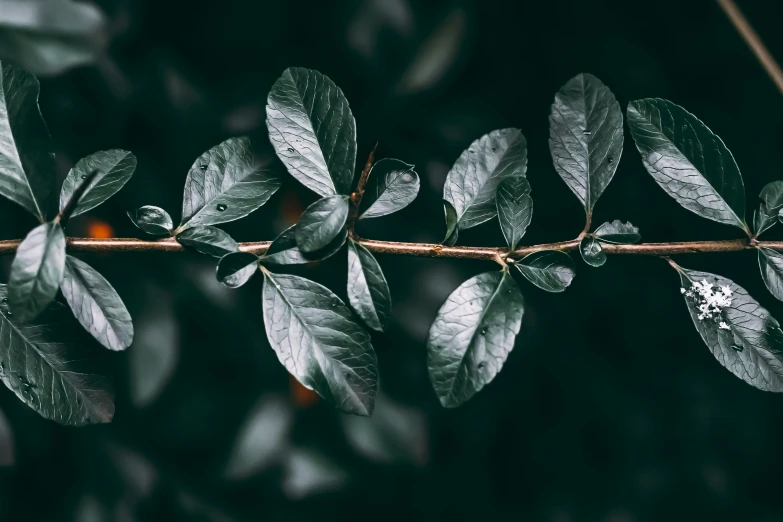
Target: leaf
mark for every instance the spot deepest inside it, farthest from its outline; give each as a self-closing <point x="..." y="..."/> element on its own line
<point x="515" y="209"/>
<point x="688" y="161"/>
<point x="472" y="336"/>
<point x="751" y="347"/>
<point x="312" y="130"/>
<point x="96" y="305"/>
<point x="36" y="271"/>
<point x="152" y="220"/>
<point x="586" y="137"/>
<point x="618" y="233"/>
<point x="549" y="270"/>
<point x="115" y="168"/>
<point x="392" y="186"/>
<point x="592" y="252"/>
<point x="47" y="366"/>
<point x="7" y="452"/>
<point x="208" y="240"/>
<point x="473" y="180"/>
<point x="321" y="223"/>
<point x="318" y="341"/>
<point x="452" y="230"/>
<point x="766" y="215"/>
<point x="771" y="265"/>
<point x="368" y="291"/>
<point x="236" y="269"/>
<point x="284" y="251"/>
<point x="27" y="169"/>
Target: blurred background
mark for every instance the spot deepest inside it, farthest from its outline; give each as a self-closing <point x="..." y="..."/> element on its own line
<point x="610" y="408"/>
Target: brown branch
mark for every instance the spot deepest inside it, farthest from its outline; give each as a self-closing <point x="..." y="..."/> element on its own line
<point x="356" y="196"/>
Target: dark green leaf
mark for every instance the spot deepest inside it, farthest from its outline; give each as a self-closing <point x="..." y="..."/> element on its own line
<point x="47" y="365"/>
<point x="208" y="240"/>
<point x="592" y="252"/>
<point x="618" y="233"/>
<point x="750" y="342"/>
<point x="321" y="223"/>
<point x="393" y="185"/>
<point x="27" y="169"/>
<point x="452" y="229"/>
<point x="318" y="341"/>
<point x="96" y="305"/>
<point x="472" y="336"/>
<point x="771" y="203"/>
<point x="313" y="131"/>
<point x="36" y="271"/>
<point x="549" y="270"/>
<point x="771" y="265"/>
<point x="688" y="161"/>
<point x="515" y="209"/>
<point x="472" y="183"/>
<point x="152" y="220"/>
<point x="586" y="137"/>
<point x="236" y="269"/>
<point x="284" y="251"/>
<point x="368" y="291"/>
<point x="225" y="184"/>
<point x="115" y="168"/>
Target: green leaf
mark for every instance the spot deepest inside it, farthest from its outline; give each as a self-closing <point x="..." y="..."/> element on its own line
<point x="472" y="183"/>
<point x="226" y="183"/>
<point x="321" y="223"/>
<point x="320" y="344"/>
<point x="592" y="252"/>
<point x="688" y="161"/>
<point x="47" y="366"/>
<point x="27" y="169"/>
<point x="368" y="291"/>
<point x="452" y="228"/>
<point x="586" y="137"/>
<point x="472" y="336"/>
<point x="751" y="346"/>
<point x="115" y="168"/>
<point x="96" y="305"/>
<point x="36" y="271"/>
<point x="549" y="270"/>
<point x="771" y="204"/>
<point x="618" y="233"/>
<point x="515" y="209"/>
<point x="284" y="251"/>
<point x="236" y="269"/>
<point x="208" y="240"/>
<point x="392" y="186"/>
<point x="771" y="265"/>
<point x="312" y="130"/>
<point x="152" y="220"/>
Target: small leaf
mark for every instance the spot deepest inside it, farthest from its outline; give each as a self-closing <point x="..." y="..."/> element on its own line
<point x="452" y="229"/>
<point x="771" y="265"/>
<point x="618" y="233"/>
<point x="771" y="204"/>
<point x="36" y="271"/>
<point x="392" y="186"/>
<point x="549" y="270"/>
<point x="472" y="336"/>
<point x="321" y="223"/>
<point x="236" y="269"/>
<point x="688" y="161"/>
<point x="115" y="168"/>
<point x="312" y="130"/>
<point x="592" y="252"/>
<point x="208" y="240"/>
<point x="284" y="251"/>
<point x="152" y="220"/>
<point x="515" y="209"/>
<point x="96" y="305"/>
<point x="368" y="291"/>
<point x="318" y="341"/>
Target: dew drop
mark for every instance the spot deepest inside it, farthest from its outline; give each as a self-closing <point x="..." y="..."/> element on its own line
<point x="8" y="313"/>
<point x="84" y="176"/>
<point x="5" y="299"/>
<point x="587" y="132"/>
<point x="203" y="166"/>
<point x="610" y="160"/>
<point x="737" y="347"/>
<point x="291" y="150"/>
<point x="484" y="330"/>
<point x="335" y="302"/>
<point x="221" y="207"/>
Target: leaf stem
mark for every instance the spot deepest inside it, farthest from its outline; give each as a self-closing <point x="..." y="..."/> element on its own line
<point x="356" y="196"/>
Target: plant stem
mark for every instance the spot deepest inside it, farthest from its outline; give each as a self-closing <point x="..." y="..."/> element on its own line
<point x="356" y="196"/>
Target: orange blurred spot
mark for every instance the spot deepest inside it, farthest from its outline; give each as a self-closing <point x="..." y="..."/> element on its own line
<point x="98" y="229"/>
<point x="291" y="208"/>
<point x="302" y="397"/>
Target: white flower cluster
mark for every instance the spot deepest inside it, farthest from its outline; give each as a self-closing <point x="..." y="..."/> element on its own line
<point x="710" y="301"/>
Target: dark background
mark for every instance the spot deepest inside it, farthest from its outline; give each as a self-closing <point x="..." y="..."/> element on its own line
<point x="610" y="408"/>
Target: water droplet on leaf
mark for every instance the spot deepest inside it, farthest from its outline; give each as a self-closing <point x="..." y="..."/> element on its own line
<point x="291" y="150"/>
<point x="587" y="132"/>
<point x="484" y="330"/>
<point x="737" y="347"/>
<point x="221" y="207"/>
<point x="84" y="176"/>
<point x="203" y="166"/>
<point x="610" y="160"/>
<point x="8" y="313"/>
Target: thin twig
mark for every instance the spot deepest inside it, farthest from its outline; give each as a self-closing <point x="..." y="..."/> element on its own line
<point x="356" y="197"/>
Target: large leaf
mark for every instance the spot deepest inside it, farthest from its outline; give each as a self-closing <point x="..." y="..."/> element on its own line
<point x="321" y="223"/>
<point x="771" y="265"/>
<point x="472" y="336"/>
<point x="618" y="233"/>
<point x="115" y="168"/>
<point x="688" y="161"/>
<point x="27" y="168"/>
<point x="36" y="271"/>
<point x="368" y="291"/>
<point x="393" y="185"/>
<point x="313" y="131"/>
<point x="284" y="250"/>
<point x="318" y="341"/>
<point x="96" y="305"/>
<point x="515" y="209"/>
<point x="586" y="137"/>
<point x="226" y="183"/>
<point x="236" y="269"/>
<point x="549" y="270"/>
<point x="473" y="180"/>
<point x="592" y="252"/>
<point x="742" y="336"/>
<point x="152" y="220"/>
<point x="47" y="365"/>
<point x="771" y="203"/>
<point x="208" y="240"/>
